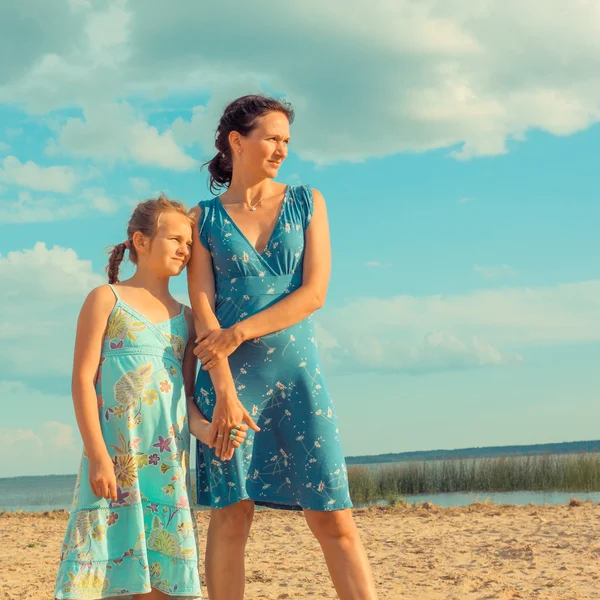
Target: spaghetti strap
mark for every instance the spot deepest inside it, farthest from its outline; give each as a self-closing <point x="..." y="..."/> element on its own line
<point x="182" y="308"/>
<point x="112" y="287"/>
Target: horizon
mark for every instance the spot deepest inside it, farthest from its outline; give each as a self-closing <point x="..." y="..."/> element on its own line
<point x="460" y="182"/>
<point x="373" y="455"/>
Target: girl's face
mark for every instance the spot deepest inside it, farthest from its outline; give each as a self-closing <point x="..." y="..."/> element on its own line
<point x="264" y="149"/>
<point x="168" y="252"/>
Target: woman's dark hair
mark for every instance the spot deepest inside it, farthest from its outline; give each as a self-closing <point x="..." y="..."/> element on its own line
<point x="240" y="115"/>
<point x="145" y="218"/>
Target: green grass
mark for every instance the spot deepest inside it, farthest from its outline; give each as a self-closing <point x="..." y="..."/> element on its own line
<point x="568" y="473"/>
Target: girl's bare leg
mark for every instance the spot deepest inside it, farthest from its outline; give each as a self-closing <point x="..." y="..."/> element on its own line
<point x="227" y="536"/>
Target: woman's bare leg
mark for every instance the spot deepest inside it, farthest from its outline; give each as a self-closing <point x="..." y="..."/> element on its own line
<point x="344" y="553"/>
<point x="227" y="536"/>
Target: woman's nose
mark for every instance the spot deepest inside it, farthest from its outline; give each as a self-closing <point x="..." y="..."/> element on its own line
<point x="282" y="149"/>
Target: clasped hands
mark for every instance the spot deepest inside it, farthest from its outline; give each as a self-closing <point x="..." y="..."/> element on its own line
<point x="214" y="345"/>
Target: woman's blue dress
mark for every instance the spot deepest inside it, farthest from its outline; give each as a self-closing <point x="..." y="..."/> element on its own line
<point x="296" y="460"/>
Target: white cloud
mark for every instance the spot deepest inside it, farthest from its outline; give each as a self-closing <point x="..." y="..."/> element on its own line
<point x="366" y="80"/>
<point x="140" y="185"/>
<point x="485" y="327"/>
<point x="51" y="449"/>
<point x="113" y="132"/>
<point x="4" y="148"/>
<point x="43" y="287"/>
<point x="46" y="209"/>
<point x="98" y="199"/>
<point x="31" y="175"/>
<point x="494" y="272"/>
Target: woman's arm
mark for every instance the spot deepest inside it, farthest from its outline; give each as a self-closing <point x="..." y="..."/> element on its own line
<point x="229" y="411"/>
<point x="91" y="326"/>
<point x="310" y="296"/>
<point x="201" y="289"/>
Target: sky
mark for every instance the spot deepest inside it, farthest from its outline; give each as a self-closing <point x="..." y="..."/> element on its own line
<point x="455" y="143"/>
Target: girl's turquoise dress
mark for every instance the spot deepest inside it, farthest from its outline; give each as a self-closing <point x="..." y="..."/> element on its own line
<point x="147" y="538"/>
<point x="296" y="460"/>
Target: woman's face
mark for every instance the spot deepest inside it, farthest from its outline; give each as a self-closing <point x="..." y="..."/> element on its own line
<point x="168" y="252"/>
<point x="264" y="149"/>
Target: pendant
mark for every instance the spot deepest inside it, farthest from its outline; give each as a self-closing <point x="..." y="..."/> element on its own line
<point x="253" y="208"/>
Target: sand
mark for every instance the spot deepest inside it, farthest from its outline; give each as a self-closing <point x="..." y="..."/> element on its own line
<point x="481" y="552"/>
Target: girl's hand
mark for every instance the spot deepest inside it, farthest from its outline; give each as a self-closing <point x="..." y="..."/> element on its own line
<point x="229" y="413"/>
<point x="101" y="472"/>
<point x="200" y="429"/>
<point x="213" y="346"/>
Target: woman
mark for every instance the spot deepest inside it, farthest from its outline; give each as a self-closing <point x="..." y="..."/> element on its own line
<point x="259" y="269"/>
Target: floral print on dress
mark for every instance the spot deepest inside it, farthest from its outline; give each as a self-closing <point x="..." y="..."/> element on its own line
<point x="296" y="460"/>
<point x="147" y="537"/>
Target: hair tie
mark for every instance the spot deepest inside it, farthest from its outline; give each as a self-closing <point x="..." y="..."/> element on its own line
<point x="127" y="244"/>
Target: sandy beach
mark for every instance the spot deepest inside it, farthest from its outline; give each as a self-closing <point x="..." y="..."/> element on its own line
<point x="481" y="552"/>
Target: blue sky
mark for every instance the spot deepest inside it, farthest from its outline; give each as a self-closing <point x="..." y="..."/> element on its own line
<point x="458" y="165"/>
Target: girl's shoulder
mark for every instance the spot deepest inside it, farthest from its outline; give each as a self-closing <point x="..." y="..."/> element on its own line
<point x="98" y="304"/>
<point x="103" y="295"/>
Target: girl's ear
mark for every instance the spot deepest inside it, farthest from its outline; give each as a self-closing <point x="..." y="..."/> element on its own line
<point x="140" y="241"/>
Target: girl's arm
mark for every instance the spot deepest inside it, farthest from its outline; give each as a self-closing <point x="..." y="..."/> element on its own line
<point x="229" y="411"/>
<point x="198" y="425"/>
<point x="310" y="296"/>
<point x="91" y="326"/>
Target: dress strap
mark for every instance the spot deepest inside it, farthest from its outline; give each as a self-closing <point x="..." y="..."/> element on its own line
<point x="112" y="287"/>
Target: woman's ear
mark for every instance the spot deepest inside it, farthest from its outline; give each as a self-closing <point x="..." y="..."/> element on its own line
<point x="235" y="142"/>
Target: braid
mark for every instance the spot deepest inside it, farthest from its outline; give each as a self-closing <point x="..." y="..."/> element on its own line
<point x="116" y="257"/>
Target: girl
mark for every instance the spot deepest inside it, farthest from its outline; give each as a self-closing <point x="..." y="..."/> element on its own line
<point x="259" y="271"/>
<point x="131" y="530"/>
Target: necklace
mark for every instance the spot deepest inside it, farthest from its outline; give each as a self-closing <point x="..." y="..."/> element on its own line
<point x="252" y="207"/>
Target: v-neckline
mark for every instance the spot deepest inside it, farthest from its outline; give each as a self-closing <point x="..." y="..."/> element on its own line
<point x="146" y="319"/>
<point x="244" y="237"/>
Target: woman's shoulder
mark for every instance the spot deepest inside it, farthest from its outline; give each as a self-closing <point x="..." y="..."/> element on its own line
<point x="196" y="211"/>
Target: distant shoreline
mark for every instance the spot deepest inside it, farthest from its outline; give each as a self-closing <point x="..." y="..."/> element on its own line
<point x="555" y="448"/>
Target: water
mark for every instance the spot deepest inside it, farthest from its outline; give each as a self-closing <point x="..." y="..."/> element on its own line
<point x="33" y="494"/>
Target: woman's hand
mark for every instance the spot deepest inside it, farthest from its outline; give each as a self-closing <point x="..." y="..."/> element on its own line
<point x="229" y="414"/>
<point x="213" y="346"/>
<point x="101" y="472"/>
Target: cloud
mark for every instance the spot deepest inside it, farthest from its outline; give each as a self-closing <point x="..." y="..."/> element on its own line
<point x="98" y="199"/>
<point x="481" y="328"/>
<point x="140" y="186"/>
<point x="4" y="147"/>
<point x="112" y="132"/>
<point x="31" y="175"/>
<point x="495" y="272"/>
<point x="43" y="445"/>
<point x="44" y="288"/>
<point x="46" y="209"/>
<point x="52" y="449"/>
<point x="366" y="81"/>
